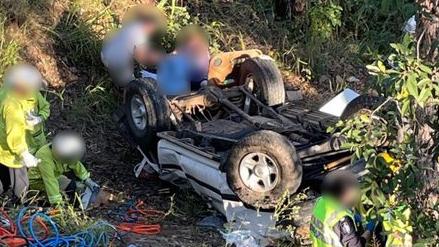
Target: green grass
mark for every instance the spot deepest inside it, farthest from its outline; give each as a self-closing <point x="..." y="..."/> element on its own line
<point x="186" y="204"/>
<point x="94" y="107"/>
<point x="9" y="49"/>
<point x="81" y="35"/>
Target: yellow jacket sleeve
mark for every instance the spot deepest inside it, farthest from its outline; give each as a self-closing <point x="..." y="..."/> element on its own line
<point x="46" y="168"/>
<point x="43" y="106"/>
<point x="80" y="171"/>
<point x="15" y="126"/>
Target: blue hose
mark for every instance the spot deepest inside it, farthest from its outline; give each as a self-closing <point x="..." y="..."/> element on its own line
<point x="95" y="235"/>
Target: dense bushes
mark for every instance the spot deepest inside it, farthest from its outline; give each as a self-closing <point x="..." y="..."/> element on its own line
<point x="401" y="187"/>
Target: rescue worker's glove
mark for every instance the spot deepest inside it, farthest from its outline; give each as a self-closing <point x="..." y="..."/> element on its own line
<point x="29" y="160"/>
<point x="371" y="224"/>
<point x="91" y="184"/>
<point x="33" y="119"/>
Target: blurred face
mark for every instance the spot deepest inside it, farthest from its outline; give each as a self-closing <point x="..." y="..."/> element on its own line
<point x="23" y="90"/>
<point x="68" y="148"/>
<point x="23" y="79"/>
<point x="196" y="45"/>
<point x="150" y="27"/>
<point x="351" y="197"/>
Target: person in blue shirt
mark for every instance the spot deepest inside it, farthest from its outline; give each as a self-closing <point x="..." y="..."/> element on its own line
<point x="186" y="69"/>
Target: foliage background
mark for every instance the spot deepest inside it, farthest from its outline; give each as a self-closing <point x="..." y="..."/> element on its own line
<point x="322" y="47"/>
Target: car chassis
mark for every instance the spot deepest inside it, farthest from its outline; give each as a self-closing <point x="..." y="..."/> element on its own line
<point x="241" y="152"/>
<point x="196" y="151"/>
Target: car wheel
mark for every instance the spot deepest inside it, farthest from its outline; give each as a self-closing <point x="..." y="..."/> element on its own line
<point x="147" y="111"/>
<point x="362" y="102"/>
<point x="261" y="167"/>
<point x="263" y="78"/>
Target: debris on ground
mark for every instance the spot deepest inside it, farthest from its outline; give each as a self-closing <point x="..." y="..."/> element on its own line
<point x="240" y="238"/>
<point x="410" y="25"/>
<point x="212" y="222"/>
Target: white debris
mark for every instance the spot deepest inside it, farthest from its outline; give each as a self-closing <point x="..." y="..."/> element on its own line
<point x="353" y="79"/>
<point x="240" y="238"/>
<point x="337" y="104"/>
<point x="410" y="25"/>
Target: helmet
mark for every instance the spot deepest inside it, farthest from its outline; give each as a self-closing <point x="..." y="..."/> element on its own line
<point x="68" y="147"/>
<point x="24" y="76"/>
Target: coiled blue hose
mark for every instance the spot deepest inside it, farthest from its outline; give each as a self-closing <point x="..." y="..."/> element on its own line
<point x="95" y="235"/>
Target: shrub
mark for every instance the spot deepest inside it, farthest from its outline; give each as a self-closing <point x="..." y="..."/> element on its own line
<point x="324" y="18"/>
<point x="402" y="172"/>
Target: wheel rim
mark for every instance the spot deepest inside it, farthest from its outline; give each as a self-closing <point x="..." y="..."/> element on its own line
<point x="259" y="172"/>
<point x="138" y="112"/>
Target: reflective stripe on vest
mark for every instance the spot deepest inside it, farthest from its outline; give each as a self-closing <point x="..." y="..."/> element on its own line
<point x="324" y="234"/>
<point x="331" y="213"/>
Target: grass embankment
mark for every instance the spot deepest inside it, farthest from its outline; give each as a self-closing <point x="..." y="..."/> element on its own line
<point x="319" y="49"/>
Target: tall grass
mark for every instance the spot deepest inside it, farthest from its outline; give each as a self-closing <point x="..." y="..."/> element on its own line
<point x="94" y="107"/>
<point x="9" y="49"/>
<point x="80" y="34"/>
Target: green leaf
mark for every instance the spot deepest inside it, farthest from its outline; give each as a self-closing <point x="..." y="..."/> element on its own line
<point x="424" y="82"/>
<point x="405" y="107"/>
<point x="381" y="66"/>
<point x="425" y="68"/>
<point x="373" y="68"/>
<point x="412" y="85"/>
<point x="423" y="96"/>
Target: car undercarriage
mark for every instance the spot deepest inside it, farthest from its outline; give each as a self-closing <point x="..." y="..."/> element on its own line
<point x="240" y="146"/>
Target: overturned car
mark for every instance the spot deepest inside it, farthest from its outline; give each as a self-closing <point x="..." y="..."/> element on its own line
<point x="237" y="141"/>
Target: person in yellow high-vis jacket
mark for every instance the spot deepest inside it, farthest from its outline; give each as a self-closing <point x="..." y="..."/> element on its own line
<point x="333" y="223"/>
<point x="22" y="113"/>
<point x="60" y="169"/>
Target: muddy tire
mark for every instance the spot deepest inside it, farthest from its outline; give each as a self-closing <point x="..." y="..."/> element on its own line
<point x="261" y="167"/>
<point x="147" y="112"/>
<point x="362" y="102"/>
<point x="264" y="79"/>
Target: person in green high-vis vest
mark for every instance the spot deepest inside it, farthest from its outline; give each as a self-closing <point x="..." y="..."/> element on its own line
<point x="333" y="222"/>
<point x="60" y="170"/>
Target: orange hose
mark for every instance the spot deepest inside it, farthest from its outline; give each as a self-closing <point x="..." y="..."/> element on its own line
<point x="10" y="236"/>
<point x="141" y="228"/>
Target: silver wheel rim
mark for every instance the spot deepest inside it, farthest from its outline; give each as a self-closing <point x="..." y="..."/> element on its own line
<point x="259" y="172"/>
<point x="138" y="112"/>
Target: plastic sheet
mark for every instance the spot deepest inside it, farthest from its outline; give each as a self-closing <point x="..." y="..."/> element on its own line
<point x="240" y="238"/>
<point x="410" y="25"/>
